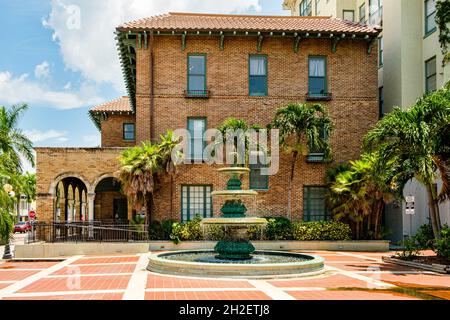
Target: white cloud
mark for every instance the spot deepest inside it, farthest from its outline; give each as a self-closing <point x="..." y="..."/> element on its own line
<point x="92" y="140"/>
<point x="84" y="29"/>
<point x="42" y="71"/>
<point x="68" y="86"/>
<point x="39" y="136"/>
<point x="20" y="89"/>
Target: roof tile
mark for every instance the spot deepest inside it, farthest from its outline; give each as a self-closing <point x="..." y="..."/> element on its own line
<point x="221" y="22"/>
<point x="121" y="104"/>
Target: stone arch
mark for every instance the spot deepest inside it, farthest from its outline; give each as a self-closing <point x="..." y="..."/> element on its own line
<point x="59" y="178"/>
<point x="100" y="179"/>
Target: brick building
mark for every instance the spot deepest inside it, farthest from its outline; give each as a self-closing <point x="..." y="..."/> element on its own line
<point x="196" y="70"/>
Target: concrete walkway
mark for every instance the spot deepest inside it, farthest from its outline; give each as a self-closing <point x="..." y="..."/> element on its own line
<point x="349" y="276"/>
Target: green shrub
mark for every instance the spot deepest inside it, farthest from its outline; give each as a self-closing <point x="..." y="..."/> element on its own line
<point x="411" y="249"/>
<point x="214" y="233"/>
<point x="442" y="245"/>
<point x="321" y="231"/>
<point x="278" y="228"/>
<point x="160" y="230"/>
<point x="189" y="231"/>
<point x="425" y="237"/>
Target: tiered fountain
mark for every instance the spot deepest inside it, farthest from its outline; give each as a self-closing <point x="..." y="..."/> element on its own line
<point x="235" y="255"/>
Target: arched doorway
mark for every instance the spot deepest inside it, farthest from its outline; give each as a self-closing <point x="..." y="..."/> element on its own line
<point x="70" y="200"/>
<point x="110" y="204"/>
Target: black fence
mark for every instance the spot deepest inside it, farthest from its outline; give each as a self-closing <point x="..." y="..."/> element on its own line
<point x="57" y="232"/>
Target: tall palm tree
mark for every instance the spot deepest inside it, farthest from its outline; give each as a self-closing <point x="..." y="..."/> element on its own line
<point x="171" y="157"/>
<point x="302" y="127"/>
<point x="138" y="167"/>
<point x="13" y="142"/>
<point x="413" y="140"/>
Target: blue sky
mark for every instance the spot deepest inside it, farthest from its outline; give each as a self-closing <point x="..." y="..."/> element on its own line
<point x="59" y="57"/>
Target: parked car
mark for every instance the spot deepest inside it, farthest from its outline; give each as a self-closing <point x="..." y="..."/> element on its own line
<point x="22" y="227"/>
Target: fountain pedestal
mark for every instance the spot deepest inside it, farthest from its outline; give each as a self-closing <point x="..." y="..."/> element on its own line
<point x="236" y="244"/>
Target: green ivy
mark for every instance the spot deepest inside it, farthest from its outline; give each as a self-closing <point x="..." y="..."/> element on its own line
<point x="443" y="20"/>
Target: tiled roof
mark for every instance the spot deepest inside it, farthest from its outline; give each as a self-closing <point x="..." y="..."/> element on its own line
<point x="221" y="22"/>
<point x="121" y="104"/>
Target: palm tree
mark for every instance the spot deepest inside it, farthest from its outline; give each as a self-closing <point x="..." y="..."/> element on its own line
<point x="413" y="141"/>
<point x="138" y="167"/>
<point x="359" y="192"/>
<point x="302" y="127"/>
<point x="238" y="130"/>
<point x="13" y="143"/>
<point x="171" y="157"/>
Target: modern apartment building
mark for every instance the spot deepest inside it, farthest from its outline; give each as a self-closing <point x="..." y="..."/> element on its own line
<point x="410" y="64"/>
<point x="194" y="71"/>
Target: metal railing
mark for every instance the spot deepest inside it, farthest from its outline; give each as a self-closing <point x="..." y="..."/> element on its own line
<point x="202" y="94"/>
<point x="57" y="232"/>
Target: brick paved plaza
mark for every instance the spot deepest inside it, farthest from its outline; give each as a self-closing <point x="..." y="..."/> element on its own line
<point x="348" y="276"/>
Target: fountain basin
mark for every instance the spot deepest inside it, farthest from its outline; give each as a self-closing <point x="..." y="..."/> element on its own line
<point x="264" y="264"/>
<point x="234" y="194"/>
<point x="234" y="221"/>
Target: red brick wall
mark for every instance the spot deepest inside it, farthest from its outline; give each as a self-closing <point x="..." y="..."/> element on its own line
<point x="112" y="131"/>
<point x="352" y="79"/>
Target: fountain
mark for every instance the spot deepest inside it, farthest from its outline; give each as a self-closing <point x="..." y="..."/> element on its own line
<point x="234" y="255"/>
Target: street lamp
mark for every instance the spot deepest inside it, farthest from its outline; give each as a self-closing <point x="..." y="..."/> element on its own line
<point x="7" y="253"/>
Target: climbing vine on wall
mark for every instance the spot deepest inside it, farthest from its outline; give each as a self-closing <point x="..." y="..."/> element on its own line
<point x="443" y="22"/>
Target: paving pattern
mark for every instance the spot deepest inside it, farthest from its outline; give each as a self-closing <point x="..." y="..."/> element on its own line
<point x="348" y="276"/>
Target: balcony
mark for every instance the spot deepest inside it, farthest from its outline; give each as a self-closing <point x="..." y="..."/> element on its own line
<point x="316" y="157"/>
<point x="197" y="94"/>
<point x="376" y="17"/>
<point x="323" y="96"/>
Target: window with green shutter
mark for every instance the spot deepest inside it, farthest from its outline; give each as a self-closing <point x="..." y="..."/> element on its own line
<point x="196" y="200"/>
<point x="197" y="129"/>
<point x="196" y="75"/>
<point x="258" y="75"/>
<point x="258" y="180"/>
<point x="314" y="204"/>
<point x="129" y="131"/>
<point x="317" y="69"/>
<point x="315" y="154"/>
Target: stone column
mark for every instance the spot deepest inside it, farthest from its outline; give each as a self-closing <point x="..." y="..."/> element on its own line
<point x="91" y="198"/>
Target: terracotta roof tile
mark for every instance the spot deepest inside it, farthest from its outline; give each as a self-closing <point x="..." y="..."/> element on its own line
<point x="121" y="104"/>
<point x="221" y="22"/>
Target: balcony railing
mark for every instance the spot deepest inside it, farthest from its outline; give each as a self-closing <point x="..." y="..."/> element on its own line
<point x="376" y="17"/>
<point x="326" y="96"/>
<point x="316" y="157"/>
<point x="200" y="94"/>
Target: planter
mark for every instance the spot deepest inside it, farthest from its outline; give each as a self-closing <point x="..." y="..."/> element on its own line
<point x="439" y="268"/>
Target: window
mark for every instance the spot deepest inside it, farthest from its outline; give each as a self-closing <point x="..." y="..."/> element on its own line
<point x="317" y="155"/>
<point x="375" y="12"/>
<point x="430" y="75"/>
<point x="349" y="15"/>
<point x="314" y="204"/>
<point x="430" y="16"/>
<point x="197" y="75"/>
<point x="317" y="7"/>
<point x="129" y="131"/>
<point x="381" y="102"/>
<point x="258" y="75"/>
<point x="362" y="14"/>
<point x="258" y="181"/>
<point x="317" y="76"/>
<point x="305" y="8"/>
<point x="197" y="129"/>
<point x="380" y="52"/>
<point x="196" y="200"/>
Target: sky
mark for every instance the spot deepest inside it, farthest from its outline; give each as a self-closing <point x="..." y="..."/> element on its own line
<point x="60" y="58"/>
